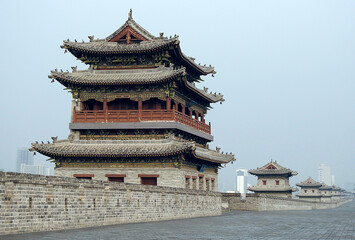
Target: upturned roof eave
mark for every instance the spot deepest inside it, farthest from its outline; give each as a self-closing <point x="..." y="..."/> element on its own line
<point x="190" y="63"/>
<point x="255" y="189"/>
<point x="277" y="170"/>
<point x="48" y="150"/>
<point x="88" y="47"/>
<point x="206" y="96"/>
<point x="308" y="185"/>
<point x="309" y="196"/>
<point x="43" y="149"/>
<point x="257" y="173"/>
<point x="227" y="158"/>
<point x="70" y="78"/>
<point x="67" y="79"/>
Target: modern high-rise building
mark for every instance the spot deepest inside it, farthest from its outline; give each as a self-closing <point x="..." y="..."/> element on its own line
<point x="23" y="157"/>
<point x="32" y="169"/>
<point x="36" y="169"/>
<point x="241" y="180"/>
<point x="324" y="175"/>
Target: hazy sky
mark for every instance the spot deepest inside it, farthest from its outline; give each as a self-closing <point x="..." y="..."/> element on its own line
<point x="286" y="69"/>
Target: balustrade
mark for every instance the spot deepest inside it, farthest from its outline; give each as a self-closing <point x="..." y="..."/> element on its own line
<point x="110" y="116"/>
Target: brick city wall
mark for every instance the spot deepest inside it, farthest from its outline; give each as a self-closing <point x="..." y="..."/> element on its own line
<point x="255" y="202"/>
<point x="168" y="176"/>
<point x="30" y="203"/>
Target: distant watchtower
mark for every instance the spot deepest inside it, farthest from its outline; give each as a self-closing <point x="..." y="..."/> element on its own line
<point x="310" y="190"/>
<point x="137" y="115"/>
<point x="273" y="179"/>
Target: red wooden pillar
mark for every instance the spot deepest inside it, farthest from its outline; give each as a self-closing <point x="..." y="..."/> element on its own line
<point x="140" y="107"/>
<point x="168" y="103"/>
<point x="105" y="104"/>
<point x="105" y="109"/>
<point x="74" y="114"/>
<point x="202" y="118"/>
<point x="190" y="112"/>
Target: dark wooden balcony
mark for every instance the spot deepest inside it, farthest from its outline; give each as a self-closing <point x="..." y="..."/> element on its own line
<point x="113" y="116"/>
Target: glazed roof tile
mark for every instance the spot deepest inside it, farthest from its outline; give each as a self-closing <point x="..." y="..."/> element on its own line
<point x="309" y="182"/>
<point x="272" y="168"/>
<point x="127" y="148"/>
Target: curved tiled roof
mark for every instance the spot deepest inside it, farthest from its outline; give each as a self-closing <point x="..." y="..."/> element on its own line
<point x="335" y="188"/>
<point x="210" y="96"/>
<point x="272" y="168"/>
<point x="115" y="77"/>
<point x="281" y="189"/>
<point x="212" y="156"/>
<point x="127" y="148"/>
<point x="153" y="44"/>
<point x="309" y="183"/>
<point x="103" y="47"/>
<point x="310" y="195"/>
<point x="325" y="187"/>
<point x="111" y="148"/>
<point x="130" y="77"/>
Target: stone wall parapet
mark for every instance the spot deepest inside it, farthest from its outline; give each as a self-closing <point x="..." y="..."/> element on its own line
<point x="31" y="203"/>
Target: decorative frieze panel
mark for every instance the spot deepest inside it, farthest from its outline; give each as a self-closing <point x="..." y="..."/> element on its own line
<point x="134" y="96"/>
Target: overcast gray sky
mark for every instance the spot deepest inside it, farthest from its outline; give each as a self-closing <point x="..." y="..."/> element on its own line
<point x="286" y="69"/>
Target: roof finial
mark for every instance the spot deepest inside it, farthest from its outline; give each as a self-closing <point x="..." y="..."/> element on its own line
<point x="130" y="14"/>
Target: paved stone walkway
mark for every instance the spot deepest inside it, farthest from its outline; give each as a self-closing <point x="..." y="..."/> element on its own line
<point x="336" y="223"/>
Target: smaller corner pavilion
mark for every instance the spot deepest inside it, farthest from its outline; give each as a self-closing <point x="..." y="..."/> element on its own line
<point x="310" y="190"/>
<point x="326" y="192"/>
<point x="273" y="179"/>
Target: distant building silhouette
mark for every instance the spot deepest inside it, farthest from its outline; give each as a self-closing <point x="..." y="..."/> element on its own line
<point x="241" y="180"/>
<point x="24" y="156"/>
<point x="36" y="169"/>
<point x="324" y="175"/>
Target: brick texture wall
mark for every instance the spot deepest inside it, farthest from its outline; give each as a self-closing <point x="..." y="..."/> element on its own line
<point x="255" y="202"/>
<point x="30" y="203"/>
<point x="168" y="177"/>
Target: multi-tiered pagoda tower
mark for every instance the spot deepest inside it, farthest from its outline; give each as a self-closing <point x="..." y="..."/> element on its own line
<point x="137" y="115"/>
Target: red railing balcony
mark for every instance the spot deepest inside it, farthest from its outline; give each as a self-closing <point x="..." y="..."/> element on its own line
<point x="111" y="116"/>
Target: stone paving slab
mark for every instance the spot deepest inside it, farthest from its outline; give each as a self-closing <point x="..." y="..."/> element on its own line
<point x="327" y="224"/>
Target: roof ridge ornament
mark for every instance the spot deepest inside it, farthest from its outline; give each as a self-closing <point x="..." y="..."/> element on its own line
<point x="130" y="15"/>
